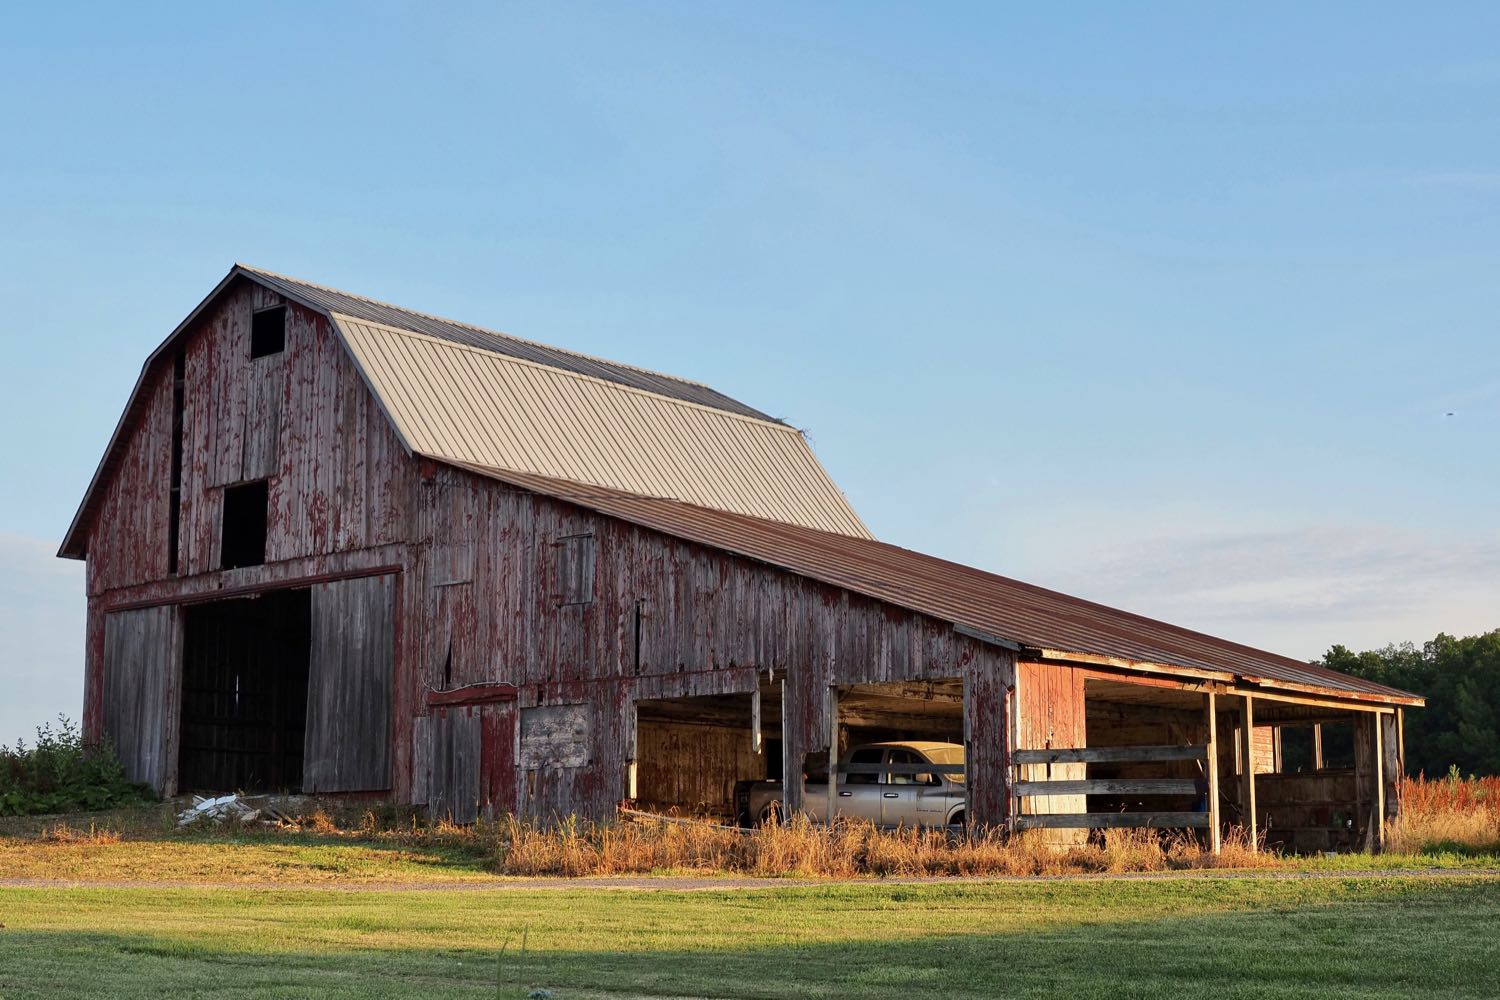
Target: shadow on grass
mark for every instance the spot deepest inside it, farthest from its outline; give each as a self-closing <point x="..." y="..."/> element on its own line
<point x="1426" y="942"/>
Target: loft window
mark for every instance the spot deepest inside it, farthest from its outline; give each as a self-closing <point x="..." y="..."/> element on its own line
<point x="267" y="332"/>
<point x="243" y="542"/>
<point x="575" y="569"/>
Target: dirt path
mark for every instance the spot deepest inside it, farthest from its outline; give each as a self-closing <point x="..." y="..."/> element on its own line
<point x="690" y="883"/>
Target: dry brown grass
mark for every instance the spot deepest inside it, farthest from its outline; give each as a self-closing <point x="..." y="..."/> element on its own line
<point x="1449" y="814"/>
<point x="62" y="833"/>
<point x="849" y="849"/>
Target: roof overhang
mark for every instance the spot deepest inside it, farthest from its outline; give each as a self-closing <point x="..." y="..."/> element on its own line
<point x="1230" y="682"/>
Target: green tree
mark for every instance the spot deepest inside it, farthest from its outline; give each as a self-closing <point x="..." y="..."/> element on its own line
<point x="1460" y="678"/>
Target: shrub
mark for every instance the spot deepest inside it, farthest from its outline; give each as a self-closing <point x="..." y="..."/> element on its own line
<point x="62" y="773"/>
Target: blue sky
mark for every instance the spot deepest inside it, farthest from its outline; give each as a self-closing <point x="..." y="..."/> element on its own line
<point x="1161" y="305"/>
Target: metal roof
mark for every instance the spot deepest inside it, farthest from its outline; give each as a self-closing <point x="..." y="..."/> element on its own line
<point x="1042" y="621"/>
<point x="331" y="300"/>
<point x="462" y="403"/>
<point x="762" y="465"/>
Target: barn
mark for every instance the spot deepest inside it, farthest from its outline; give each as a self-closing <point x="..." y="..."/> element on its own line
<point x="339" y="547"/>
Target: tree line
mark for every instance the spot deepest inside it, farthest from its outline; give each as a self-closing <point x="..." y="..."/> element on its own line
<point x="1460" y="678"/>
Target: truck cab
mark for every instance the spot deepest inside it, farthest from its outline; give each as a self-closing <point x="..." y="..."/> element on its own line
<point x="889" y="789"/>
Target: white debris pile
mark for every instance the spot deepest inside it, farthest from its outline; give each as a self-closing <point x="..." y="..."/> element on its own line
<point x="231" y="809"/>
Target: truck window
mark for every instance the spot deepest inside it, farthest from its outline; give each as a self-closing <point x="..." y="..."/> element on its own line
<point x="910" y="757"/>
<point x="868" y="755"/>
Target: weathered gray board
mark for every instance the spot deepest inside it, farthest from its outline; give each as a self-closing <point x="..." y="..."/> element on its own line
<point x="456" y="746"/>
<point x="348" y="744"/>
<point x="554" y="736"/>
<point x="141" y="653"/>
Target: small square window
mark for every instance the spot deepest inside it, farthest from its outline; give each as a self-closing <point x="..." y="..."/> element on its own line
<point x="267" y="332"/>
<point x="243" y="542"/>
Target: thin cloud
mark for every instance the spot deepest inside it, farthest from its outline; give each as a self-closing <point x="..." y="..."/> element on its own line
<point x="1301" y="590"/>
<point x="41" y="636"/>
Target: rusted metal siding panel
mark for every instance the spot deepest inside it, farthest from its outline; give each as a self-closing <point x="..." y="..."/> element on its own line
<point x="351" y="674"/>
<point x="469" y="405"/>
<point x="142" y="663"/>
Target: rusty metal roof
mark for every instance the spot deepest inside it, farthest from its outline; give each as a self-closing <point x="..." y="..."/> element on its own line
<point x="1044" y="622"/>
<point x="331" y="300"/>
<point x="462" y="403"/>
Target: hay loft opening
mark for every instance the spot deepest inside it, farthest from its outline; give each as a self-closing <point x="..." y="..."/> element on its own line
<point x="267" y="332"/>
<point x="243" y="540"/>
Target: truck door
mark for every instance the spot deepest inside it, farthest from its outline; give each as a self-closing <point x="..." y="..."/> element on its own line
<point x="859" y="794"/>
<point x="911" y="799"/>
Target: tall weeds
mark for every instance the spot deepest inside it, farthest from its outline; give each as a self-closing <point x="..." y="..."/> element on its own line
<point x="1449" y="814"/>
<point x="847" y="849"/>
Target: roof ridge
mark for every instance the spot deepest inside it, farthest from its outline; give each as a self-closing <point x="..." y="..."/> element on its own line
<point x="341" y="318"/>
<point x="475" y="328"/>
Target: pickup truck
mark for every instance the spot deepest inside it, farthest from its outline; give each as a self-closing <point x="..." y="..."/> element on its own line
<point x="884" y="798"/>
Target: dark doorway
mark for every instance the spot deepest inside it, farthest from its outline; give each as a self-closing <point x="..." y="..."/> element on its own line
<point x="244" y="693"/>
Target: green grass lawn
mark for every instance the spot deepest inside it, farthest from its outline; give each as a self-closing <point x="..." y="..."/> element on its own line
<point x="1240" y="937"/>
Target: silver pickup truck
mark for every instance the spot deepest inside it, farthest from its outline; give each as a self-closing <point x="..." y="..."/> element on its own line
<point x="887" y="798"/>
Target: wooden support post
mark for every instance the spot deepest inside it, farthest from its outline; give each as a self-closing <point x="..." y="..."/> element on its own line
<point x="1395" y="762"/>
<point x="632" y="739"/>
<point x="1214" y="834"/>
<point x="833" y="753"/>
<point x="1377" y="821"/>
<point x="793" y="752"/>
<point x="1318" y="747"/>
<point x="1247" y="768"/>
<point x="755" y="741"/>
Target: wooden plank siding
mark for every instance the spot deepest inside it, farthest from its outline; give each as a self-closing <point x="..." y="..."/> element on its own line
<point x="474" y="566"/>
<point x="142" y="664"/>
<point x="1052" y="713"/>
<point x="351" y="675"/>
<point x="341" y="487"/>
<point x="705" y="622"/>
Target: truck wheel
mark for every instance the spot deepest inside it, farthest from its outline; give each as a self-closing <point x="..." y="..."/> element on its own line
<point x="770" y="815"/>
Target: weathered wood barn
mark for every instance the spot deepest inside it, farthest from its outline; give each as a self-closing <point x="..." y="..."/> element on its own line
<point x="345" y="548"/>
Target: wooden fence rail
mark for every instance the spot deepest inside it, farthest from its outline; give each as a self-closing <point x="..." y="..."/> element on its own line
<point x="1026" y="788"/>
<point x="1109" y="755"/>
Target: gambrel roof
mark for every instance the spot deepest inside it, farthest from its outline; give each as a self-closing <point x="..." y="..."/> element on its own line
<point x="465" y="394"/>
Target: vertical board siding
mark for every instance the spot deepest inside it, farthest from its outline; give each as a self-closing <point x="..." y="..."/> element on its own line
<point x="349" y="686"/>
<point x="129" y="542"/>
<point x="710" y="623"/>
<point x="693" y="768"/>
<point x="340" y="480"/>
<point x="1052" y="714"/>
<point x="141" y="663"/>
<point x="457" y="741"/>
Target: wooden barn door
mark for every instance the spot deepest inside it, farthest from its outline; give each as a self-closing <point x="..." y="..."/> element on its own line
<point x="473" y="762"/>
<point x="350" y="673"/>
<point x="142" y="652"/>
